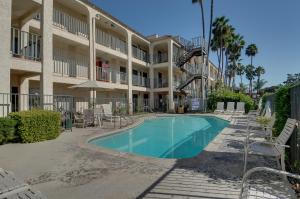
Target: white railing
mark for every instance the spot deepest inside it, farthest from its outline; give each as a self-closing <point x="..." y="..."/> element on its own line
<point x="140" y="81"/>
<point x="110" y="41"/>
<point x="70" y="23"/>
<point x="111" y="76"/>
<point x="160" y="58"/>
<point x="25" y="45"/>
<point x="160" y="83"/>
<point x="140" y="54"/>
<point x="71" y="66"/>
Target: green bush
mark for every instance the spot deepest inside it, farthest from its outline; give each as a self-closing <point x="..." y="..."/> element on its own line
<point x="7" y="130"/>
<point x="37" y="125"/>
<point x="225" y="95"/>
<point x="282" y="108"/>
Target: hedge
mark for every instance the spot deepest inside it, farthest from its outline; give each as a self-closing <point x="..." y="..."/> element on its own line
<point x="37" y="125"/>
<point x="282" y="108"/>
<point x="7" y="130"/>
<point x="225" y="95"/>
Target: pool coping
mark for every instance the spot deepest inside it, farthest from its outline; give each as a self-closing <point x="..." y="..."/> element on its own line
<point x="84" y="143"/>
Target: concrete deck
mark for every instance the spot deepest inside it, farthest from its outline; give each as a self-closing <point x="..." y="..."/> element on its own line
<point x="70" y="168"/>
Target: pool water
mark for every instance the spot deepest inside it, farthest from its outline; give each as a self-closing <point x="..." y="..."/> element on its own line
<point x="166" y="137"/>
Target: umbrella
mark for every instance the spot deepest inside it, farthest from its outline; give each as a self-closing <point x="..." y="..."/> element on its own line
<point x="91" y="85"/>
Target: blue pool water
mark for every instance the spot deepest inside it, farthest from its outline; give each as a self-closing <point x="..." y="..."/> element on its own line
<point x="166" y="137"/>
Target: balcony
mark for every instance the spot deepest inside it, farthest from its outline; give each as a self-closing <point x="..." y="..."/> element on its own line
<point x="159" y="58"/>
<point x="140" y="81"/>
<point x="25" y="45"/>
<point x="70" y="23"/>
<point x="110" y="41"/>
<point x="111" y="76"/>
<point x="140" y="54"/>
<point x="76" y="66"/>
<point x="160" y="83"/>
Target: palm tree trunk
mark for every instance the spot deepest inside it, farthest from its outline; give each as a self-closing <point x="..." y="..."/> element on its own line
<point x="251" y="60"/>
<point x="210" y="30"/>
<point x="258" y="86"/>
<point x="203" y="19"/>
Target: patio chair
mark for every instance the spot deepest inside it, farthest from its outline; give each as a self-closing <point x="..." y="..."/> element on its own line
<point x="240" y="108"/>
<point x="273" y="148"/>
<point x="98" y="115"/>
<point x="220" y="107"/>
<point x="10" y="187"/>
<point x="230" y="108"/>
<point x="89" y="118"/>
<point x="108" y="114"/>
<point x="274" y="190"/>
<point x="79" y="120"/>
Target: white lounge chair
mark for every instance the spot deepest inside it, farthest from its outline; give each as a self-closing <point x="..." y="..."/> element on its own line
<point x="230" y="108"/>
<point x="220" y="107"/>
<point x="274" y="190"/>
<point x="240" y="108"/>
<point x="107" y="112"/>
<point x="271" y="148"/>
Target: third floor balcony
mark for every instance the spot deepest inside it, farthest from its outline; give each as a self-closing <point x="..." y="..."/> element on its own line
<point x="111" y="75"/>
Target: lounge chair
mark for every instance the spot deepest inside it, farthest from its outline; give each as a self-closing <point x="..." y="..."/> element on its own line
<point x="89" y="118"/>
<point x="271" y="148"/>
<point x="274" y="190"/>
<point x="230" y="108"/>
<point x="240" y="108"/>
<point x="10" y="187"/>
<point x="79" y="120"/>
<point x="107" y="112"/>
<point x="220" y="107"/>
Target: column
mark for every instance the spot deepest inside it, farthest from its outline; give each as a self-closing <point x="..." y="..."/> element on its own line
<point x="129" y="72"/>
<point x="170" y="76"/>
<point x="92" y="64"/>
<point x="24" y="91"/>
<point x="46" y="81"/>
<point x="5" y="56"/>
<point x="151" y="76"/>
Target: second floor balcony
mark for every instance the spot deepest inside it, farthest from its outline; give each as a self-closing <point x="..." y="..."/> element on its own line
<point x="161" y="83"/>
<point x="160" y="58"/>
<point x="140" y="81"/>
<point x="25" y="45"/>
<point x="111" y="75"/>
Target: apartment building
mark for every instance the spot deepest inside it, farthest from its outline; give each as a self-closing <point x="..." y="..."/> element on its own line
<point x="48" y="46"/>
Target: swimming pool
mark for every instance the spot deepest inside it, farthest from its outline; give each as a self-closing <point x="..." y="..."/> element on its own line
<point x="166" y="137"/>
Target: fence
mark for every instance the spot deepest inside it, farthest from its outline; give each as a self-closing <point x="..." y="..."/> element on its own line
<point x="295" y="114"/>
<point x="10" y="102"/>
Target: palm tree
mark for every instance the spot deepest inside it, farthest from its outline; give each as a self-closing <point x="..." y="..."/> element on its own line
<point x="221" y="31"/>
<point x="251" y="51"/>
<point x="258" y="85"/>
<point x="250" y="74"/>
<point x="259" y="71"/>
<point x="240" y="70"/>
<point x="202" y="13"/>
<point x="210" y="30"/>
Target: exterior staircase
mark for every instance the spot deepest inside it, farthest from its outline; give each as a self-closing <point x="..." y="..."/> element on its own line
<point x="195" y="47"/>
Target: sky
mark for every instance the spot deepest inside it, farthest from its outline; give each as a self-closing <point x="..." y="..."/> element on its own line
<point x="273" y="25"/>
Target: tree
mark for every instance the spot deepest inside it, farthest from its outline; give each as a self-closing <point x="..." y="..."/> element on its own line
<point x="258" y="85"/>
<point x="251" y="51"/>
<point x="240" y="70"/>
<point x="221" y="31"/>
<point x="210" y="30"/>
<point x="250" y="75"/>
<point x="292" y="79"/>
<point x="259" y="71"/>
<point x="202" y="16"/>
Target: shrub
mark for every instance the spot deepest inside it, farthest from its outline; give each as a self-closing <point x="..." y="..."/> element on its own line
<point x="282" y="108"/>
<point x="7" y="130"/>
<point x="225" y="95"/>
<point x="37" y="125"/>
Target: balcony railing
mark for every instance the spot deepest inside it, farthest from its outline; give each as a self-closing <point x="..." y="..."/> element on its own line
<point x="25" y="45"/>
<point x="160" y="58"/>
<point x="110" y="75"/>
<point x="140" y="81"/>
<point x="160" y="83"/>
<point x="140" y="54"/>
<point x="70" y="23"/>
<point x="70" y="66"/>
<point x="110" y="41"/>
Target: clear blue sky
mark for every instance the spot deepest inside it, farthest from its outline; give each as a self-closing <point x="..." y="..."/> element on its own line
<point x="273" y="25"/>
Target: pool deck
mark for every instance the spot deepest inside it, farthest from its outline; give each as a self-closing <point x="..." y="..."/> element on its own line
<point x="68" y="167"/>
